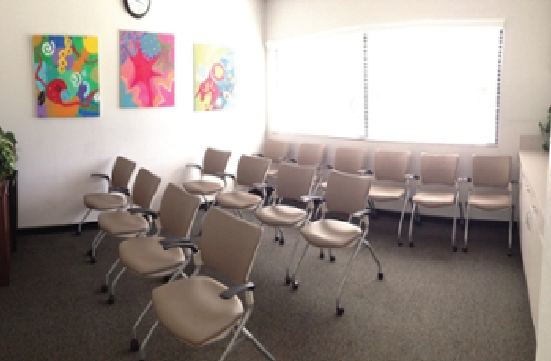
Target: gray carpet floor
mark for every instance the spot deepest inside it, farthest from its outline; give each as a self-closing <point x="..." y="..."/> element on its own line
<point x="433" y="304"/>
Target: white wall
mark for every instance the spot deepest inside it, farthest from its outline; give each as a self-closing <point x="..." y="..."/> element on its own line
<point x="526" y="68"/>
<point x="57" y="155"/>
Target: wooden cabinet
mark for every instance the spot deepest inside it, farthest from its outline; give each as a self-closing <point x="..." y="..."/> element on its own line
<point x="532" y="199"/>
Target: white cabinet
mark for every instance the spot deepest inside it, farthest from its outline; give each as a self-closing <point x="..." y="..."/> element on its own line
<point x="532" y="194"/>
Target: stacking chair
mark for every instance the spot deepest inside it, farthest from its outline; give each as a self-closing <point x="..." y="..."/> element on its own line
<point x="133" y="221"/>
<point x="117" y="190"/>
<point x="277" y="151"/>
<point x="391" y="182"/>
<point x="347" y="160"/>
<point x="436" y="187"/>
<point x="490" y="189"/>
<point x="308" y="154"/>
<point x="294" y="182"/>
<point x="201" y="310"/>
<point x="214" y="164"/>
<point x="145" y="255"/>
<point x="251" y="174"/>
<point x="346" y="194"/>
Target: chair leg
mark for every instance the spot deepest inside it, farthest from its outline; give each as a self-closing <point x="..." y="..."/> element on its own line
<point x="294" y="277"/>
<point x="340" y="310"/>
<point x="105" y="286"/>
<point x="402" y="218"/>
<point x="258" y="345"/>
<point x="511" y="220"/>
<point x="454" y="246"/>
<point x="332" y="257"/>
<point x="322" y="253"/>
<point x="410" y="226"/>
<point x="468" y="208"/>
<point x="368" y="245"/>
<point x="134" y="343"/>
<point x="144" y="343"/>
<point x="95" y="244"/>
<point x="288" y="270"/>
<point x="79" y="229"/>
<point x="111" y="298"/>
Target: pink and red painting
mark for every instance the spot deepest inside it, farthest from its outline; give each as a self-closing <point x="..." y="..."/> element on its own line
<point x="146" y="69"/>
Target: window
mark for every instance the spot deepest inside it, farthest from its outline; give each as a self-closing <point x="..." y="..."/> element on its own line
<point x="429" y="84"/>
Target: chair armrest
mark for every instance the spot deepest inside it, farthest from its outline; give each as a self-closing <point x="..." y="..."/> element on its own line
<point x="234" y="290"/>
<point x="412" y="176"/>
<point x="122" y="190"/>
<point x="464" y="180"/>
<point x="361" y="213"/>
<point x="193" y="165"/>
<point x="224" y="175"/>
<point x="258" y="155"/>
<point x="145" y="212"/>
<point x="290" y="160"/>
<point x="100" y="175"/>
<point x="315" y="199"/>
<point x="328" y="166"/>
<point x="182" y="242"/>
<point x="365" y="171"/>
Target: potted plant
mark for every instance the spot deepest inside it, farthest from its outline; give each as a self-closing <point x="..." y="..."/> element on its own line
<point x="545" y="127"/>
<point x="8" y="157"/>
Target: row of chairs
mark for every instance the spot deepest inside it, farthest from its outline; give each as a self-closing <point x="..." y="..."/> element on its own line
<point x="437" y="184"/>
<point x="167" y="256"/>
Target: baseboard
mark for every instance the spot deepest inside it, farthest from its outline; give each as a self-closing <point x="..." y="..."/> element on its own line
<point x="62" y="228"/>
<point x="439" y="219"/>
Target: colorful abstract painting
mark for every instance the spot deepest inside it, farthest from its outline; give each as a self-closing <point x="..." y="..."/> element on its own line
<point x="66" y="76"/>
<point x="147" y="69"/>
<point x="214" y="77"/>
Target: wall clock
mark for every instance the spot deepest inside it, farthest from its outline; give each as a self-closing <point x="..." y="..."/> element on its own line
<point x="137" y="8"/>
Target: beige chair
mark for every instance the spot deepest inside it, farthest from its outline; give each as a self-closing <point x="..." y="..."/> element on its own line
<point x="490" y="189"/>
<point x="131" y="222"/>
<point x="117" y="190"/>
<point x="145" y="255"/>
<point x="294" y="181"/>
<point x="346" y="194"/>
<point x="200" y="310"/>
<point x="308" y="154"/>
<point x="437" y="187"/>
<point x="347" y="160"/>
<point x="250" y="175"/>
<point x="214" y="164"/>
<point x="391" y="182"/>
<point x="277" y="151"/>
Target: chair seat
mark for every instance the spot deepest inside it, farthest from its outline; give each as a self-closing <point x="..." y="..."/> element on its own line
<point x="386" y="193"/>
<point x="280" y="215"/>
<point x="122" y="223"/>
<point x="490" y="202"/>
<point x="329" y="233"/>
<point x="237" y="200"/>
<point x="434" y="199"/>
<point x="202" y="187"/>
<point x="146" y="256"/>
<point x="192" y="309"/>
<point x="104" y="201"/>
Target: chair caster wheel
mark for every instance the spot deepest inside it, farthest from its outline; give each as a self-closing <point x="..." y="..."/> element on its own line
<point x="465" y="249"/>
<point x="399" y="243"/>
<point x="134" y="345"/>
<point x="78" y="233"/>
<point x="166" y="279"/>
<point x="104" y="288"/>
<point x="111" y="299"/>
<point x="287" y="280"/>
<point x="455" y="248"/>
<point x="340" y="311"/>
<point x="380" y="276"/>
<point x="411" y="245"/>
<point x="89" y="253"/>
<point x="92" y="259"/>
<point x="332" y="259"/>
<point x="295" y="285"/>
<point x="276" y="239"/>
<point x="510" y="254"/>
<point x="281" y="241"/>
<point x="322" y="255"/>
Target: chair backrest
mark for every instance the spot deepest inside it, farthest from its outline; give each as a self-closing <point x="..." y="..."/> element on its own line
<point x="276" y="149"/>
<point x="349" y="160"/>
<point x="178" y="210"/>
<point x="122" y="171"/>
<point x="439" y="168"/>
<point x="215" y="161"/>
<point x="251" y="170"/>
<point x="310" y="154"/>
<point x="144" y="189"/>
<point x="294" y="181"/>
<point x="346" y="193"/>
<point x="492" y="170"/>
<point x="391" y="165"/>
<point x="228" y="244"/>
